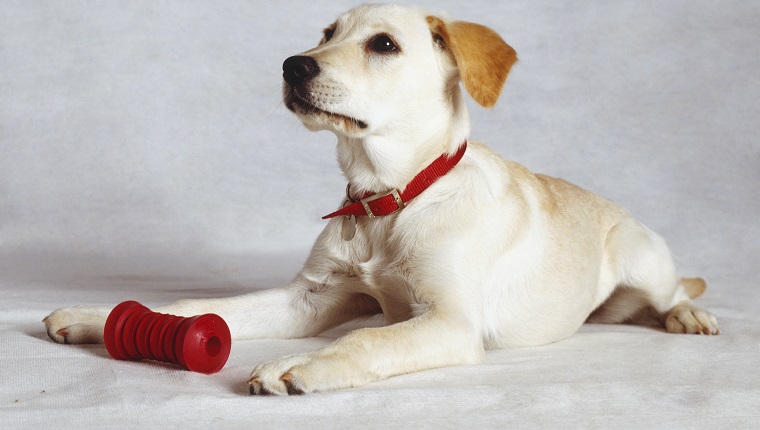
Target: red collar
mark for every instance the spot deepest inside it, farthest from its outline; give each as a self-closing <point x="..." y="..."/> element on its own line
<point x="386" y="203"/>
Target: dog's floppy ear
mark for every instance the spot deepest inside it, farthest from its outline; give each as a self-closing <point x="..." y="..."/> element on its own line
<point x="483" y="58"/>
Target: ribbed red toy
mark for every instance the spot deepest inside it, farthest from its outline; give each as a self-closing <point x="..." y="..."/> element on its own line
<point x="201" y="343"/>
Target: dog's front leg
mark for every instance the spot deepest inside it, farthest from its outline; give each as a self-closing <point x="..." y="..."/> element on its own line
<point x="303" y="308"/>
<point x="431" y="340"/>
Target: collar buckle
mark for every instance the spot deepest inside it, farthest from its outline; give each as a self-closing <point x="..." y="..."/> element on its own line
<point x="393" y="193"/>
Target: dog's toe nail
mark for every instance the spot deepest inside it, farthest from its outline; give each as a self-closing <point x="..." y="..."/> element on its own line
<point x="287" y="379"/>
<point x="256" y="388"/>
<point x="64" y="333"/>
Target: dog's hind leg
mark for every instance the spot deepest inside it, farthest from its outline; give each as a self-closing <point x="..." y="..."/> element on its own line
<point x="647" y="278"/>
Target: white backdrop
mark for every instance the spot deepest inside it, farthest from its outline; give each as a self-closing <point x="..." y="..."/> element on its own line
<point x="145" y="154"/>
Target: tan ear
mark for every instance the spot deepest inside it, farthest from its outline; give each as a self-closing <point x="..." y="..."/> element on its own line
<point x="483" y="58"/>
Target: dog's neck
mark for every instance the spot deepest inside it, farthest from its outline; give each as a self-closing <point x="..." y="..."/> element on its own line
<point x="390" y="159"/>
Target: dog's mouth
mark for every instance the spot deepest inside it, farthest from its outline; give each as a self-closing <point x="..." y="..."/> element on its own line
<point x="299" y="105"/>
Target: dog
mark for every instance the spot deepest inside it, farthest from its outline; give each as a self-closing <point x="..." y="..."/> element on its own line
<point x="460" y="250"/>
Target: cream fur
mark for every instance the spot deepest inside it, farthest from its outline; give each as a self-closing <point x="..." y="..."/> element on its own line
<point x="489" y="256"/>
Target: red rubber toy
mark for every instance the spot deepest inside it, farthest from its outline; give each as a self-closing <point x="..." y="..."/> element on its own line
<point x="201" y="343"/>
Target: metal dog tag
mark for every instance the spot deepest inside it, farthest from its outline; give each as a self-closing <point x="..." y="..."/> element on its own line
<point x="348" y="229"/>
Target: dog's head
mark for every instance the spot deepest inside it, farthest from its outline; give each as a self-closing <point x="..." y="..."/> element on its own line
<point x="383" y="69"/>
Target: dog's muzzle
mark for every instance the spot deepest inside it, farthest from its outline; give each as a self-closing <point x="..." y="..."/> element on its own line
<point x="299" y="73"/>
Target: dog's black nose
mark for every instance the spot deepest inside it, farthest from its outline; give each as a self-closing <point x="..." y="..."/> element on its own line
<point x="299" y="69"/>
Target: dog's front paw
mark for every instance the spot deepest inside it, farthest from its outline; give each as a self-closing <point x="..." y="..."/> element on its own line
<point x="80" y="324"/>
<point x="276" y="377"/>
<point x="689" y="319"/>
<point x="306" y="373"/>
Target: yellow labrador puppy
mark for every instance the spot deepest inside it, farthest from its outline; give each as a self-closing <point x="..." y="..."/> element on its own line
<point x="459" y="249"/>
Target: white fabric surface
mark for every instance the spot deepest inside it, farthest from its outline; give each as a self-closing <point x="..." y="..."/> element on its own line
<point x="145" y="154"/>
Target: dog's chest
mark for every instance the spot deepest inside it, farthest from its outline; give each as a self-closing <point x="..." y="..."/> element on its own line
<point x="371" y="251"/>
<point x="377" y="262"/>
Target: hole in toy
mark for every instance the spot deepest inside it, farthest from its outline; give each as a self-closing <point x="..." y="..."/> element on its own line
<point x="213" y="346"/>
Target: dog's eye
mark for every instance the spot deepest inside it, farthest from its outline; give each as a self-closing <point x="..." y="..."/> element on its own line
<point x="382" y="44"/>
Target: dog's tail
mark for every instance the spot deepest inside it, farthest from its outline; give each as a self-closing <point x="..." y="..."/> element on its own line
<point x="694" y="286"/>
